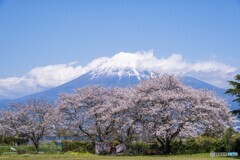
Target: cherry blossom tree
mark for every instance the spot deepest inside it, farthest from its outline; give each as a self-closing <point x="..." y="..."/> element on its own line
<point x="32" y="120"/>
<point x="92" y="110"/>
<point x="168" y="109"/>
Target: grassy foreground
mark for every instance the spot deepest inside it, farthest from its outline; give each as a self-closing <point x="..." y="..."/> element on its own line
<point x="96" y="157"/>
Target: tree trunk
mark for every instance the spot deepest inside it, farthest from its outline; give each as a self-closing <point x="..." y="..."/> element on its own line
<point x="36" y="145"/>
<point x="167" y="147"/>
<point x="35" y="141"/>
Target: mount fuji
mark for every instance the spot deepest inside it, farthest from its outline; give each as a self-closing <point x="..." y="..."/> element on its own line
<point x="123" y="70"/>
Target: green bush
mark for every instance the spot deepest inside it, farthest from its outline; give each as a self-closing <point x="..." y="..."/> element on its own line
<point x="50" y="148"/>
<point x="10" y="140"/>
<point x="25" y="148"/>
<point x="201" y="144"/>
<point x="226" y="142"/>
<point x="4" y="149"/>
<point x="207" y="144"/>
<point x="186" y="146"/>
<point x="154" y="149"/>
<point x="221" y="146"/>
<point x="235" y="143"/>
<point x="138" y="148"/>
<point x="178" y="146"/>
<point x="76" y="146"/>
<point x="46" y="148"/>
<point x="21" y="151"/>
<point x="230" y="141"/>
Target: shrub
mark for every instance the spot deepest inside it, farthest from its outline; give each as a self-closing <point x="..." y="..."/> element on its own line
<point x="138" y="148"/>
<point x="21" y="151"/>
<point x="50" y="147"/>
<point x="4" y="149"/>
<point x="10" y="140"/>
<point x="25" y="149"/>
<point x="221" y="146"/>
<point x="186" y="146"/>
<point x="230" y="141"/>
<point x="206" y="144"/>
<point x="154" y="149"/>
<point x="178" y="146"/>
<point x="235" y="143"/>
<point x="76" y="146"/>
<point x="200" y="144"/>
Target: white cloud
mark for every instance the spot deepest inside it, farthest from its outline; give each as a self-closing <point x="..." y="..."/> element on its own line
<point x="53" y="75"/>
<point x="37" y="79"/>
<point x="44" y="77"/>
<point x="176" y="64"/>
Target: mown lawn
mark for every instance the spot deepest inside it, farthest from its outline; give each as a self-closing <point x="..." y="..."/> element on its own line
<point x="96" y="157"/>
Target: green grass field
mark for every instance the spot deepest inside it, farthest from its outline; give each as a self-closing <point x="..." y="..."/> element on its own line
<point x="96" y="157"/>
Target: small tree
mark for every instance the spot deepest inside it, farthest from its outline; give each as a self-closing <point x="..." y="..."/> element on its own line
<point x="32" y="120"/>
<point x="235" y="91"/>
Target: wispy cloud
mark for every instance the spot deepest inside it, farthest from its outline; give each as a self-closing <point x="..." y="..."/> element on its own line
<point x="41" y="78"/>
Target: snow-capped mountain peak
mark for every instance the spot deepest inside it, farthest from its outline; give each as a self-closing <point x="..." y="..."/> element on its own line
<point x="123" y="64"/>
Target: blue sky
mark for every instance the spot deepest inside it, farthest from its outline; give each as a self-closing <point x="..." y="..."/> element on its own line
<point x="50" y="32"/>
